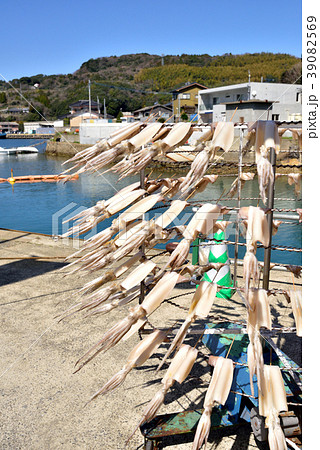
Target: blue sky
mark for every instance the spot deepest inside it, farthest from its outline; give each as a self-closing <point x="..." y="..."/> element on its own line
<point x="57" y="37"/>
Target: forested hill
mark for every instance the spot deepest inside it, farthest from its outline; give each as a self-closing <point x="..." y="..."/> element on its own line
<point x="129" y="82"/>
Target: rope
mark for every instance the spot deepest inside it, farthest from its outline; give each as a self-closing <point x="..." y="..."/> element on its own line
<point x="225" y="241"/>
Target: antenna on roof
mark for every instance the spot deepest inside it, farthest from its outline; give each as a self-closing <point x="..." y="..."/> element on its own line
<point x="90" y="99"/>
<point x="249" y="85"/>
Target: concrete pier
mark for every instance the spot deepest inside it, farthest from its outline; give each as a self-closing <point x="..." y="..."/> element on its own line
<point x="42" y="401"/>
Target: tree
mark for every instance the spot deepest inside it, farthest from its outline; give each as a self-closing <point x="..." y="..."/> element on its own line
<point x="119" y="116"/>
<point x="292" y="75"/>
<point x="3" y="97"/>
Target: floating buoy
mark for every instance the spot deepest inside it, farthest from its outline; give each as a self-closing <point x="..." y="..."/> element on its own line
<point x="36" y="178"/>
<point x="12" y="180"/>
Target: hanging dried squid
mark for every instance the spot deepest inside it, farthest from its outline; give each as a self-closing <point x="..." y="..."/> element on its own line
<point x="151" y="302"/>
<point x="257" y="225"/>
<point x="179" y="133"/>
<point x="137" y="357"/>
<point x="222" y="138"/>
<point x="296" y="304"/>
<point x="178" y="371"/>
<point x="266" y="134"/>
<point x="295" y="178"/>
<point x="217" y="394"/>
<point x="245" y="176"/>
<point x="104" y="147"/>
<point x="258" y="316"/>
<point x="265" y="173"/>
<point x="202" y="222"/>
<point x="201" y="305"/>
<point x="297" y="134"/>
<point x="271" y="402"/>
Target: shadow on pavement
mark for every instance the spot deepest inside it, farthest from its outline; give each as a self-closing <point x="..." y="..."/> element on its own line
<point x="26" y="268"/>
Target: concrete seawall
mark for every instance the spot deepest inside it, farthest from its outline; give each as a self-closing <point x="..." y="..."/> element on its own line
<point x="69" y="149"/>
<point x="64" y="148"/>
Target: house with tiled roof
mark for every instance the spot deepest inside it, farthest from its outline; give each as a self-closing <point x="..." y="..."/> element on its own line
<point x="185" y="99"/>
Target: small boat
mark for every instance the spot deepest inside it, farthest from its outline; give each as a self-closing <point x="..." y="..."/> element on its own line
<point x="17" y="150"/>
<point x="3" y="135"/>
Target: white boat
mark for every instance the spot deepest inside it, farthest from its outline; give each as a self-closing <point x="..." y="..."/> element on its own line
<point x="17" y="150"/>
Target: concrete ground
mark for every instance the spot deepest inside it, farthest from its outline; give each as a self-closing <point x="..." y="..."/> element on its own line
<point x="43" y="402"/>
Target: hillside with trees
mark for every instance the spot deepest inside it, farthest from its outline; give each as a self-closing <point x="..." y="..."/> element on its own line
<point x="130" y="82"/>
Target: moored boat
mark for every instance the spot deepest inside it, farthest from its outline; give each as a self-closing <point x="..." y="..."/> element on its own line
<point x="17" y="150"/>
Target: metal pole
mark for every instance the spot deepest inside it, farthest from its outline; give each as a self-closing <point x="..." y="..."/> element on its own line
<point x="270" y="203"/>
<point x="236" y="247"/>
<point x="142" y="248"/>
<point x="90" y="99"/>
<point x="104" y="108"/>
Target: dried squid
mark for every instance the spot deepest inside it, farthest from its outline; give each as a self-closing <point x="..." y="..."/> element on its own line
<point x="265" y="173"/>
<point x="296" y="304"/>
<point x="222" y="138"/>
<point x="179" y="133"/>
<point x="217" y="394"/>
<point x="178" y="371"/>
<point x="258" y="316"/>
<point x="138" y="356"/>
<point x="295" y="178"/>
<point x="271" y="403"/>
<point x="266" y="133"/>
<point x="151" y="302"/>
<point x="200" y="307"/>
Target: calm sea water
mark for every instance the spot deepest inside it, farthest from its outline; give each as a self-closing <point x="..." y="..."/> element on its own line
<point x="42" y="207"/>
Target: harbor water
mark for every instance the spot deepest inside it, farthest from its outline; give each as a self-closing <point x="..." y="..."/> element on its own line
<point x="43" y="207"/>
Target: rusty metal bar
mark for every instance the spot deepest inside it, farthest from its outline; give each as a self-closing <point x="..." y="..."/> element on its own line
<point x="236" y="248"/>
<point x="270" y="204"/>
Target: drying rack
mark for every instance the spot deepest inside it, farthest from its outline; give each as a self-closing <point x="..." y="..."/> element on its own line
<point x="241" y="405"/>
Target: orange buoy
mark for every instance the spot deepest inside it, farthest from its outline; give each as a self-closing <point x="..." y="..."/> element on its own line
<point x="36" y="178"/>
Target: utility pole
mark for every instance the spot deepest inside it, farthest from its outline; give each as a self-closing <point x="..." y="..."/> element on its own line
<point x="98" y="105"/>
<point x="90" y="99"/>
<point x="104" y="109"/>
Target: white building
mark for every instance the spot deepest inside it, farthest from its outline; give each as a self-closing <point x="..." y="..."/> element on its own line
<point x="251" y="101"/>
<point x="92" y="131"/>
<point x="44" y="127"/>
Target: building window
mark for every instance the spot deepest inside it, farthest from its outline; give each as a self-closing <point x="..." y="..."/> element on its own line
<point x="185" y="96"/>
<point x="275" y="117"/>
<point x="242" y="97"/>
<point x="215" y="100"/>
